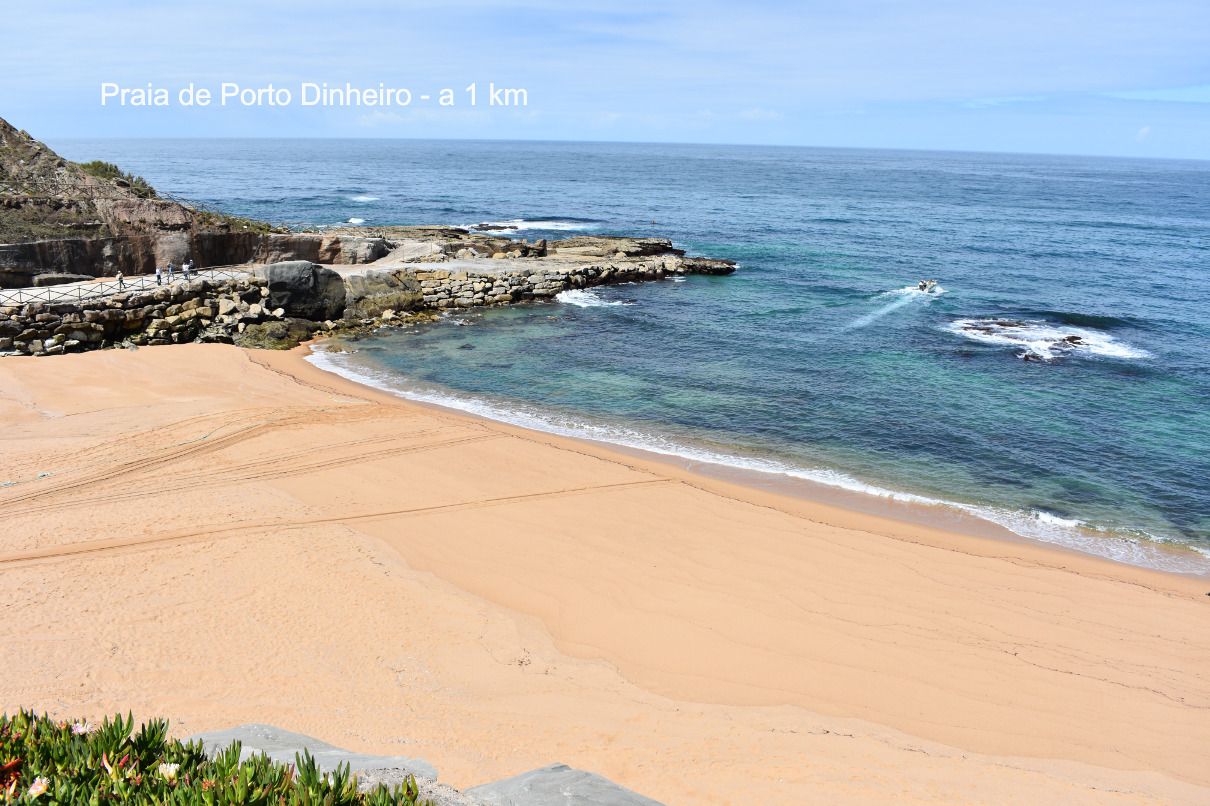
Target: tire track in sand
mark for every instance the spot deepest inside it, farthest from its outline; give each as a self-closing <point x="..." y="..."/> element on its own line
<point x="234" y="530"/>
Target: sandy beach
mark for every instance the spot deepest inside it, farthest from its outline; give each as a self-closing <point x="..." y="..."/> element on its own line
<point x="220" y="536"/>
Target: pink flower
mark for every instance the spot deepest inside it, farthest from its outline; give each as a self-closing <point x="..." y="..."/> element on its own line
<point x="39" y="786"/>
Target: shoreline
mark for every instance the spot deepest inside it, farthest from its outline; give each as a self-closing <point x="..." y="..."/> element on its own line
<point x="269" y="542"/>
<point x="736" y="483"/>
<point x="965" y="520"/>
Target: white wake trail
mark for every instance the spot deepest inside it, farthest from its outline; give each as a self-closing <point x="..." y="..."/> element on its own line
<point x="902" y="297"/>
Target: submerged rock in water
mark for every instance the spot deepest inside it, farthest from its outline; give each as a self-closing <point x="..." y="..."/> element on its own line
<point x="1044" y="341"/>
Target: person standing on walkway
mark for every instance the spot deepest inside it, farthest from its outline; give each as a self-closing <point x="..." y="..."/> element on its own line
<point x="171" y="271"/>
<point x="188" y="268"/>
<point x="121" y="280"/>
<point x="159" y="275"/>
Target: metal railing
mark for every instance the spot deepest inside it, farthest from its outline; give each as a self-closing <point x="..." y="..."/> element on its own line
<point x="81" y="292"/>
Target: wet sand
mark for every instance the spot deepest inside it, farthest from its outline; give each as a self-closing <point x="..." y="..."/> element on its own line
<point x="221" y="536"/>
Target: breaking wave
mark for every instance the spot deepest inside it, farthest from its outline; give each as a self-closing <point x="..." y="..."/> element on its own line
<point x="524" y="224"/>
<point x="363" y="198"/>
<point x="1039" y="340"/>
<point x="585" y="299"/>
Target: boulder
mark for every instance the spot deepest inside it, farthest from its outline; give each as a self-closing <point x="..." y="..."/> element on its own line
<point x="282" y="334"/>
<point x="371" y="293"/>
<point x="305" y="290"/>
<point x="351" y="249"/>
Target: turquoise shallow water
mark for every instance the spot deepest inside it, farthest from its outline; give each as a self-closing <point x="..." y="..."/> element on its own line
<point x="1059" y="384"/>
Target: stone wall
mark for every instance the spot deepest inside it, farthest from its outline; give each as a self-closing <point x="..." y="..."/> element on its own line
<point x="198" y="310"/>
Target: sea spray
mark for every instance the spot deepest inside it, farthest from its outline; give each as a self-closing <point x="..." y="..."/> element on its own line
<point x="1043" y="340"/>
<point x="582" y="298"/>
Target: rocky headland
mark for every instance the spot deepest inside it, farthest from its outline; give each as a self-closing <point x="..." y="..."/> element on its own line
<point x="68" y="224"/>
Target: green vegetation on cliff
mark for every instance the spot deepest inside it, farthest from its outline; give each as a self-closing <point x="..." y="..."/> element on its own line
<point x="59" y="762"/>
<point x="112" y="173"/>
<point x="46" y="197"/>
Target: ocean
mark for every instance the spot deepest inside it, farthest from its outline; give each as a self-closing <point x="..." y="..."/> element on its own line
<point x="1055" y="382"/>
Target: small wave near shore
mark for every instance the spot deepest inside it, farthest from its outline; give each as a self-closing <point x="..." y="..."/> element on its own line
<point x="583" y="298"/>
<point x="1139" y="549"/>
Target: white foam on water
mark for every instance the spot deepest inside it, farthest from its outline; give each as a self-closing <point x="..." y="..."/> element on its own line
<point x="1044" y="340"/>
<point x="521" y="224"/>
<point x="1139" y="549"/>
<point x="356" y="221"/>
<point x="901" y="297"/>
<point x="584" y="299"/>
<point x="363" y="198"/>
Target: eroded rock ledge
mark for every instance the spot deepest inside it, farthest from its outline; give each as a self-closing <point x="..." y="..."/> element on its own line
<point x="283" y="303"/>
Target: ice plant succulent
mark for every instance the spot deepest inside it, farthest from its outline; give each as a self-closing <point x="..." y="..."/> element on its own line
<point x="38" y="787"/>
<point x="62" y="762"/>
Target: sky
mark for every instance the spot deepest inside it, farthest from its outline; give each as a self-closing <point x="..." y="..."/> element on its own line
<point x="1096" y="77"/>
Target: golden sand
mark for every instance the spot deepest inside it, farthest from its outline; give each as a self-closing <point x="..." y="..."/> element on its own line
<point x="221" y="537"/>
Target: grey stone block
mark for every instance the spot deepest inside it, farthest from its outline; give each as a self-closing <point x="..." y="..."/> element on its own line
<point x="281" y="745"/>
<point x="558" y="785"/>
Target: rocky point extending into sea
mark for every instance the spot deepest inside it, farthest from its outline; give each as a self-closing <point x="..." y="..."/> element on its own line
<point x="418" y="271"/>
<point x="68" y="225"/>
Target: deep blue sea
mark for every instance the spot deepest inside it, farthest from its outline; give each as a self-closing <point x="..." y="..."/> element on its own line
<point x="1056" y="382"/>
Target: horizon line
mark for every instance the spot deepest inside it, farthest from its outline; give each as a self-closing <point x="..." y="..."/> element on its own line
<point x="647" y="143"/>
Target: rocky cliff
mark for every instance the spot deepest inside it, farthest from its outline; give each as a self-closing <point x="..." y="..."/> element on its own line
<point x="44" y="196"/>
<point x="57" y="216"/>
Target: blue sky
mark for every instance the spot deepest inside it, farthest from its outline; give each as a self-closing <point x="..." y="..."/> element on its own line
<point x="1064" y="76"/>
